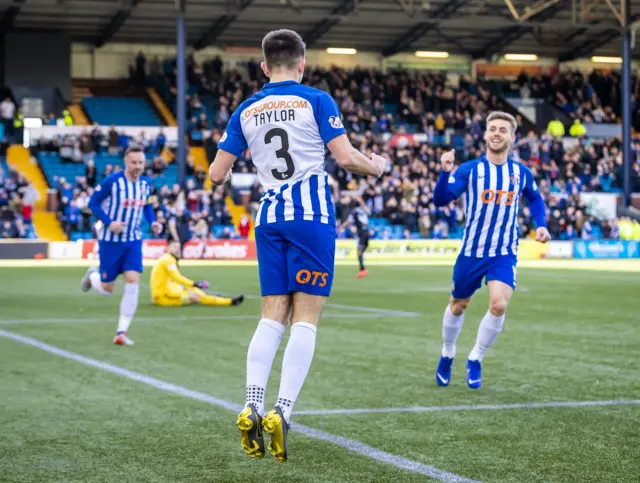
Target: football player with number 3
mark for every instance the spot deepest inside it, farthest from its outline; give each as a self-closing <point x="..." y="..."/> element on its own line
<point x="492" y="184"/>
<point x="286" y="126"/>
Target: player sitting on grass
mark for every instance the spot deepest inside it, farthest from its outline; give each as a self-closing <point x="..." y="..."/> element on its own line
<point x="169" y="288"/>
<point x="493" y="185"/>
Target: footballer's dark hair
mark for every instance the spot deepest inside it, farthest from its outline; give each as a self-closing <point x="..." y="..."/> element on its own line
<point x="133" y="149"/>
<point x="283" y="48"/>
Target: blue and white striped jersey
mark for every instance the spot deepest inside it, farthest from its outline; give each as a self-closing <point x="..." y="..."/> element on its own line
<point x="492" y="200"/>
<point x="286" y="126"/>
<point x="118" y="199"/>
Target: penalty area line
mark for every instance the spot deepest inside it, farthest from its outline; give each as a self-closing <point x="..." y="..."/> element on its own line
<point x="353" y="446"/>
<point x="478" y="407"/>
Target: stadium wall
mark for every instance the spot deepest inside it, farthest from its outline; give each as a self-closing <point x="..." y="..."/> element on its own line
<point x="379" y="250"/>
<point x="27" y="56"/>
<point x="112" y="61"/>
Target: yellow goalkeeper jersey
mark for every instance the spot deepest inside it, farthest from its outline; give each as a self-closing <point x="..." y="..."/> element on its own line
<point x="165" y="275"/>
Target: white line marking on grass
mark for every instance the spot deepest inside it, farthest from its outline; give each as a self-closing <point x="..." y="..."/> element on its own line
<point x="374" y="310"/>
<point x="355" y="308"/>
<point x="479" y="407"/>
<point x="91" y="320"/>
<point x="348" y="444"/>
<point x="181" y="318"/>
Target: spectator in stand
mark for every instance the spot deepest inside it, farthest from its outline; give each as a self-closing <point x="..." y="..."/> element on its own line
<point x="30" y="196"/>
<point x="211" y="145"/>
<point x="9" y="230"/>
<point x="86" y="147"/>
<point x="555" y="128"/>
<point x="97" y="138"/>
<point x="141" y="62"/>
<point x="577" y="130"/>
<point x="91" y="173"/>
<point x="4" y="147"/>
<point x="222" y="117"/>
<point x="72" y="216"/>
<point x="200" y="228"/>
<point x="7" y="111"/>
<point x="114" y="141"/>
<point x="244" y="226"/>
<point x="161" y="142"/>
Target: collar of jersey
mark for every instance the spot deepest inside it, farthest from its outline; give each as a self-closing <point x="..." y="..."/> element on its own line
<point x="278" y="84"/>
<point x="484" y="158"/>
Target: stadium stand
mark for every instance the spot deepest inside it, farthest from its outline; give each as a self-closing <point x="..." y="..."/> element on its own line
<point x="207" y="213"/>
<point x="408" y="116"/>
<point x="591" y="98"/>
<point x="383" y="111"/>
<point x="124" y="111"/>
<point x="16" y="204"/>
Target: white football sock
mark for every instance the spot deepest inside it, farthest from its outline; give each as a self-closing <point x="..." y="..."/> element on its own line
<point x="128" y="306"/>
<point x="262" y="351"/>
<point x="96" y="284"/>
<point x="295" y="365"/>
<point x="488" y="332"/>
<point x="451" y="327"/>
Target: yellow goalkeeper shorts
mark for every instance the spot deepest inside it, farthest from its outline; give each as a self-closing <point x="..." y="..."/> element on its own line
<point x="174" y="295"/>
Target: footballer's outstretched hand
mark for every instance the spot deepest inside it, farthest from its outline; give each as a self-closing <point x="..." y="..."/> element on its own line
<point x="202" y="285"/>
<point x="447" y="160"/>
<point x="379" y="162"/>
<point x="542" y="235"/>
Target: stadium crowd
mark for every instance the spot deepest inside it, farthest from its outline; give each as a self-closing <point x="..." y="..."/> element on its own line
<point x="17" y="199"/>
<point x="409" y="117"/>
<point x="404" y="194"/>
<point x="190" y="209"/>
<point x="592" y="98"/>
<point x="379" y="108"/>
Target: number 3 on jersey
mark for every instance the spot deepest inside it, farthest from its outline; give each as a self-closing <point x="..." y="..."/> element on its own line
<point x="282" y="153"/>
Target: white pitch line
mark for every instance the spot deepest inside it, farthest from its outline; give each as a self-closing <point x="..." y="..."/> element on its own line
<point x="348" y="444"/>
<point x="355" y="308"/>
<point x="92" y="320"/>
<point x="479" y="407"/>
<point x="182" y="318"/>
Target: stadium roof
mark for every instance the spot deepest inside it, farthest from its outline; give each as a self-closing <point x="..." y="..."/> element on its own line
<point x="565" y="29"/>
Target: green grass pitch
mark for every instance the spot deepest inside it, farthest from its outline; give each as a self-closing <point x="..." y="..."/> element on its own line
<point x="569" y="336"/>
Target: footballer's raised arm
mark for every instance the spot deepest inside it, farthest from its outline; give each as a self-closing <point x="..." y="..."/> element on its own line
<point x="220" y="169"/>
<point x="353" y="160"/>
<point x="449" y="187"/>
<point x="232" y="144"/>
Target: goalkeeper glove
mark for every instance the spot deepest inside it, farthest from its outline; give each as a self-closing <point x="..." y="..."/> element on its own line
<point x="202" y="285"/>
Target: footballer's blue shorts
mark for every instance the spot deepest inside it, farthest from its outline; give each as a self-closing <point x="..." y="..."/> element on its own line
<point x="119" y="257"/>
<point x="296" y="256"/>
<point x="468" y="273"/>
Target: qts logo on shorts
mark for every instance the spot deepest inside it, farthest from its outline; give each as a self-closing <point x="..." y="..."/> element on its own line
<point x="498" y="197"/>
<point x="314" y="278"/>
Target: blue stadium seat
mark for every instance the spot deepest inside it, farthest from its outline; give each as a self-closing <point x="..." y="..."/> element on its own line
<point x="218" y="229"/>
<point x="4" y="166"/>
<point x="122" y="111"/>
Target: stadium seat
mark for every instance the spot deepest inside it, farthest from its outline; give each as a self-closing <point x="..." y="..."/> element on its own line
<point x="122" y="111"/>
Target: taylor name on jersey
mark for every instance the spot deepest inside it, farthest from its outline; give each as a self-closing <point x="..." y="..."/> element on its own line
<point x="276" y="111"/>
<point x="287" y="125"/>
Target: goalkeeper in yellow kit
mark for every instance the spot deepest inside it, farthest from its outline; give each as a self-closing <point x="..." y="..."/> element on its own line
<point x="169" y="288"/>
